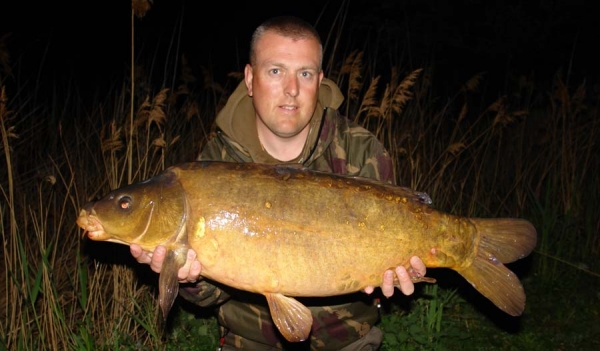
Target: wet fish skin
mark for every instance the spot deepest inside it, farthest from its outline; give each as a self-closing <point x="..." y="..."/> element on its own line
<point x="284" y="232"/>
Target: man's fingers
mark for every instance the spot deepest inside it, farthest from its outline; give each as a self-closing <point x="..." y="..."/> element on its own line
<point x="158" y="258"/>
<point x="387" y="287"/>
<point x="140" y="255"/>
<point x="136" y="250"/>
<point x="195" y="270"/>
<point x="418" y="266"/>
<point x="184" y="273"/>
<point x="405" y="284"/>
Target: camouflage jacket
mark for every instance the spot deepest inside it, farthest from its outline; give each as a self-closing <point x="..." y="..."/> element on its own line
<point x="334" y="144"/>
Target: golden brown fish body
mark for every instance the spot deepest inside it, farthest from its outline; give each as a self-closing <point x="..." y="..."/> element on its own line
<point x="283" y="231"/>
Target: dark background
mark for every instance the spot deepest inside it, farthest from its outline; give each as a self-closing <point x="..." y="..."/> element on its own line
<point x="89" y="42"/>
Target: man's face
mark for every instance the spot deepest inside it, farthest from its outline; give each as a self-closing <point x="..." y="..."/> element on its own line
<point x="284" y="83"/>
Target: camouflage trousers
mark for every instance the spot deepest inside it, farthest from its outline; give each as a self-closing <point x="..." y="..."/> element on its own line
<point x="370" y="342"/>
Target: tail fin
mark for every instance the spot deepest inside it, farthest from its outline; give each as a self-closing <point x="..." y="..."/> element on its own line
<point x="508" y="239"/>
<point x="502" y="241"/>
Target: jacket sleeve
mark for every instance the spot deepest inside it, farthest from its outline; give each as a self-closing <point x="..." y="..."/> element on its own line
<point x="203" y="294"/>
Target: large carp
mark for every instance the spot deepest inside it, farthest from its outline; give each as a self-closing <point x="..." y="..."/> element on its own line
<point x="284" y="232"/>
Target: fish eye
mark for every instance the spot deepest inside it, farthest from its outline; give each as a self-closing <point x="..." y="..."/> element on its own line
<point x="125" y="202"/>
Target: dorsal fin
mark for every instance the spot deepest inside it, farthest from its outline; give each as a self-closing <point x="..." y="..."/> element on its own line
<point x="408" y="193"/>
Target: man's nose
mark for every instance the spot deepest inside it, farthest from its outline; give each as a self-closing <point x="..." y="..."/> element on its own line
<point x="291" y="86"/>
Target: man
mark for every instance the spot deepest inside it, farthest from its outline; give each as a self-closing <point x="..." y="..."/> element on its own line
<point x="285" y="111"/>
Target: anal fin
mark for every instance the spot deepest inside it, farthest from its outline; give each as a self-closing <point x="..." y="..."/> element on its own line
<point x="292" y="318"/>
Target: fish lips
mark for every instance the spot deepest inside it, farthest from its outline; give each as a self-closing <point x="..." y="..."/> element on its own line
<point x="88" y="221"/>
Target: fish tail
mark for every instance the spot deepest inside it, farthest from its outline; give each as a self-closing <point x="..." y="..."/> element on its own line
<point x="508" y="239"/>
<point x="502" y="241"/>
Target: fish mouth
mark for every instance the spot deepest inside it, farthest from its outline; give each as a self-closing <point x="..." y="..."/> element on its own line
<point x="91" y="225"/>
<point x="97" y="234"/>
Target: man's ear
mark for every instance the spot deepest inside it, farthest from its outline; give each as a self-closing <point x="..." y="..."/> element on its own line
<point x="248" y="76"/>
<point x="321" y="75"/>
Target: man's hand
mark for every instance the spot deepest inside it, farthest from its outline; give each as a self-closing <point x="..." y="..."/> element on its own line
<point x="189" y="273"/>
<point x="404" y="282"/>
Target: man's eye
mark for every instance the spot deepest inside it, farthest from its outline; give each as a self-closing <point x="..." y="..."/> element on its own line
<point x="275" y="71"/>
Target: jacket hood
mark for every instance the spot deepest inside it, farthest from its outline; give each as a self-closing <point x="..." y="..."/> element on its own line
<point x="237" y="121"/>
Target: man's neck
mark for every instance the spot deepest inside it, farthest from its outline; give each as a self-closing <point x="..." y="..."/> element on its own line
<point x="283" y="149"/>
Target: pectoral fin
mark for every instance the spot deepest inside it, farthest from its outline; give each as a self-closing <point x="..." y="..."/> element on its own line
<point x="168" y="282"/>
<point x="292" y="318"/>
<point x="415" y="279"/>
<point x="421" y="280"/>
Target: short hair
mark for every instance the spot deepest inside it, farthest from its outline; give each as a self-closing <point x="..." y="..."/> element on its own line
<point x="287" y="26"/>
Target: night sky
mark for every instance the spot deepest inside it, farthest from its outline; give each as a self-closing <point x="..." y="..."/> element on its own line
<point x="90" y="42"/>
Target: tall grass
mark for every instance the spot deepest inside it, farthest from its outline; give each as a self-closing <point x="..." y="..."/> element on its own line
<point x="530" y="152"/>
